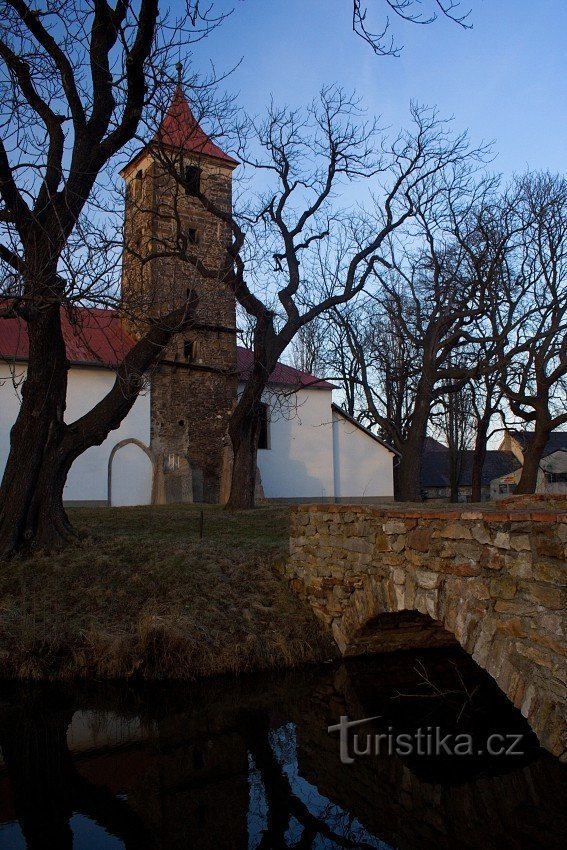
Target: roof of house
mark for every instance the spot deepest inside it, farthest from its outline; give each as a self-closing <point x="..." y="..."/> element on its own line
<point x="557" y="440"/>
<point x="353" y="421"/>
<point x="432" y="445"/>
<point x="282" y="374"/>
<point x="96" y="337"/>
<point x="435" y="469"/>
<point x="93" y="337"/>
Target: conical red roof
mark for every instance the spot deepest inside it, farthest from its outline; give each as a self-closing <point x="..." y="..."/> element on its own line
<point x="180" y="130"/>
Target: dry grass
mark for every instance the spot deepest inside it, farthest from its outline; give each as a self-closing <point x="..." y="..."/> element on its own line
<point x="144" y="597"/>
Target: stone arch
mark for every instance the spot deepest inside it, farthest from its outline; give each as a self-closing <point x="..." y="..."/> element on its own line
<point x="142" y="482"/>
<point x="458" y="614"/>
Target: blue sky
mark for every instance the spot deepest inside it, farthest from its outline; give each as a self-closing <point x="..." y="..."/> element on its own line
<point x="504" y="80"/>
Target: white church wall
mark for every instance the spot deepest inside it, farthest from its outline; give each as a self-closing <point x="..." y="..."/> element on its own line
<point x="88" y="478"/>
<point x="363" y="468"/>
<point x="299" y="462"/>
<point x="131" y="476"/>
<point x="9" y="405"/>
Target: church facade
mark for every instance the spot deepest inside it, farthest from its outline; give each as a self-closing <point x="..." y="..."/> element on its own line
<point x="173" y="445"/>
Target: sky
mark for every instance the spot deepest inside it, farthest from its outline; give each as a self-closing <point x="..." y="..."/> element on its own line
<point x="504" y="80"/>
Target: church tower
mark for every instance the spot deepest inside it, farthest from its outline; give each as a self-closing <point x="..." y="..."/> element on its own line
<point x="193" y="389"/>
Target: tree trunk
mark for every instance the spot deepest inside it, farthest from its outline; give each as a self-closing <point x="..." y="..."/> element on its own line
<point x="532" y="457"/>
<point x="37" y="430"/>
<point x="409" y="475"/>
<point x="479" y="456"/>
<point x="243" y="429"/>
<point x="43" y="448"/>
<point x="244" y="437"/>
<point x="409" y="470"/>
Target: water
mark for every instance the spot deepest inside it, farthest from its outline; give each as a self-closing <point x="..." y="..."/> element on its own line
<point x="249" y="763"/>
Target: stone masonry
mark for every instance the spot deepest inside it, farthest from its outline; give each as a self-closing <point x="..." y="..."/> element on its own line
<point x="492" y="579"/>
<point x="193" y="390"/>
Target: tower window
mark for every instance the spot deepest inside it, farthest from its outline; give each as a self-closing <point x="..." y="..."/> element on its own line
<point x="192" y="180"/>
<point x="264" y="434"/>
<point x="192" y="235"/>
<point x="189" y="350"/>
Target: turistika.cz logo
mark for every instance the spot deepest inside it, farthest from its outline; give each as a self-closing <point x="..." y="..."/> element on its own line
<point x="426" y="741"/>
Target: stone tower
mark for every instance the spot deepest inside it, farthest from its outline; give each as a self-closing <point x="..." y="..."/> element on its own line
<point x="193" y="389"/>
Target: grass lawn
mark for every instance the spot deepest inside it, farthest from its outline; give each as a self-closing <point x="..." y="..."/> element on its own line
<point x="144" y="596"/>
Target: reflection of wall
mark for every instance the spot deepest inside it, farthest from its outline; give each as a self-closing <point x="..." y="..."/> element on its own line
<point x="195" y="792"/>
<point x="517" y="810"/>
<point x="177" y="766"/>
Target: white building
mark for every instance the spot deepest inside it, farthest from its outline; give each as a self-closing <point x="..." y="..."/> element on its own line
<point x="310" y="449"/>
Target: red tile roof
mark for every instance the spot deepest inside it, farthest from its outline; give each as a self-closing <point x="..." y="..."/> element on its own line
<point x="282" y="374"/>
<point x="95" y="337"/>
<point x="179" y="129"/>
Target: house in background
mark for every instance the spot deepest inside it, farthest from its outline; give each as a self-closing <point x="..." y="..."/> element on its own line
<point x="552" y="475"/>
<point x="436" y="471"/>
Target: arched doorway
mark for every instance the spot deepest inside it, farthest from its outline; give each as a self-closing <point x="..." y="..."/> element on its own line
<point x="130" y="474"/>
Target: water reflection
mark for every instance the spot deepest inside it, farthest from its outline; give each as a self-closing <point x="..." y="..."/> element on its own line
<point x="250" y="764"/>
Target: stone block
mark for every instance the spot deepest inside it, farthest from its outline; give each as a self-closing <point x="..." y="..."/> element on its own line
<point x="399" y="544"/>
<point x="454" y="531"/>
<point x="427" y="579"/>
<point x="354" y="544"/>
<point x="519" y="565"/>
<point x="520" y="542"/>
<point x="481" y="534"/>
<point x="554" y="572"/>
<point x="514" y="627"/>
<point x="549" y="547"/>
<point x="543" y="594"/>
<point x="394" y="527"/>
<point x="502" y="540"/>
<point x="419" y="539"/>
<point x="503" y="588"/>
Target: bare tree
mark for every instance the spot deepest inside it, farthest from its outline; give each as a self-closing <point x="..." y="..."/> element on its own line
<point x="75" y="80"/>
<point x="382" y="41"/>
<point x="427" y="332"/>
<point x="486" y="400"/>
<point x="534" y="381"/>
<point x="452" y="416"/>
<point x="306" y="258"/>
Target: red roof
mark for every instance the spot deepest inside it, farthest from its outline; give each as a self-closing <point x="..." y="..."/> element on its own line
<point x="93" y="336"/>
<point x="179" y="129"/>
<point x="282" y="374"/>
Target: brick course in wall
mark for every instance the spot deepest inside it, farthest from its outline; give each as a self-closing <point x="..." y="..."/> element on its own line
<point x="494" y="580"/>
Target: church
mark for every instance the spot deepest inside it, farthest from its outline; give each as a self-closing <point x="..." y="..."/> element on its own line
<point x="173" y="444"/>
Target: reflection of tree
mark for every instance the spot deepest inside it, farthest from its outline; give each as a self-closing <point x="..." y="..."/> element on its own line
<point x="282" y="803"/>
<point x="47" y="787"/>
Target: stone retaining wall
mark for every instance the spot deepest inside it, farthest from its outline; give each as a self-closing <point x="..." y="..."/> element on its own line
<point x="495" y="580"/>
